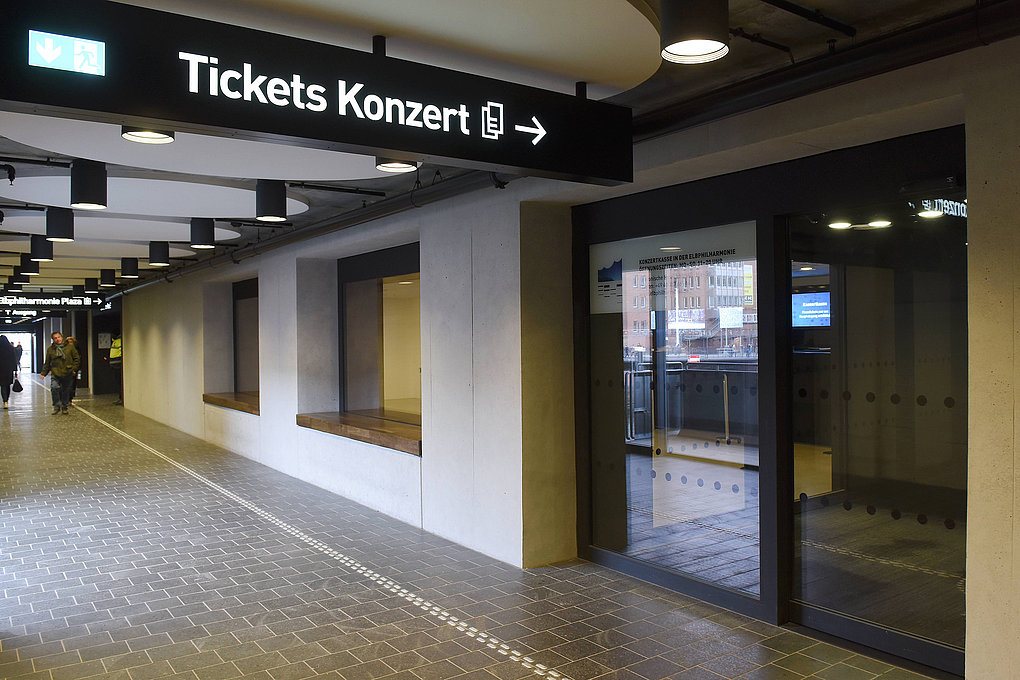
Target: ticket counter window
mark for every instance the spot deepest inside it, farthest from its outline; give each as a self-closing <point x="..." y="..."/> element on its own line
<point x="246" y="338"/>
<point x="382" y="345"/>
<point x="674" y="390"/>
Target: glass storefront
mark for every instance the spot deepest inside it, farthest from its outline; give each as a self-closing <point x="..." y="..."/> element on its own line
<point x="879" y="320"/>
<point x="777" y="408"/>
<point x="675" y="367"/>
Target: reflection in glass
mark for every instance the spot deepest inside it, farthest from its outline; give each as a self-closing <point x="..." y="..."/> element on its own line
<point x="382" y="348"/>
<point x="675" y="445"/>
<point x="880" y="421"/>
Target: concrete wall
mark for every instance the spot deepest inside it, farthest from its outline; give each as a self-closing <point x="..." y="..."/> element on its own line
<point x="468" y="484"/>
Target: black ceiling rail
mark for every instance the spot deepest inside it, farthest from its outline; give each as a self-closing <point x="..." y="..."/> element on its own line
<point x="256" y="223"/>
<point x="22" y="207"/>
<point x="416" y="198"/>
<point x="814" y="15"/>
<point x="343" y="190"/>
<point x="962" y="30"/>
<point x="35" y="161"/>
<point x="756" y="38"/>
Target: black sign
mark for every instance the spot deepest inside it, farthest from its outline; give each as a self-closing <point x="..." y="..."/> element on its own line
<point x="20" y="304"/>
<point x="113" y="62"/>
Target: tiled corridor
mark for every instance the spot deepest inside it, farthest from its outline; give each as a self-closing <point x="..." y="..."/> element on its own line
<point x="133" y="551"/>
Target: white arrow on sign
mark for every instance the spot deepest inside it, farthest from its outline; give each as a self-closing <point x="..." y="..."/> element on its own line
<point x="47" y="51"/>
<point x="538" y="130"/>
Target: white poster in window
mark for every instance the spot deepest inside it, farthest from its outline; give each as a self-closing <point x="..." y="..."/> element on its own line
<point x="105" y="340"/>
<point x="731" y="317"/>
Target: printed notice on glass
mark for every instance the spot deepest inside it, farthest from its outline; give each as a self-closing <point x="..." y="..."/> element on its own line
<point x="652" y="256"/>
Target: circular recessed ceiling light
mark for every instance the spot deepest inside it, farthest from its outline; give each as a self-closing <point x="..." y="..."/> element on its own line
<point x="695" y="51"/>
<point x="669" y="249"/>
<point x="929" y="214"/>
<point x="146" y="135"/>
<point x="879" y="224"/>
<point x="807" y="269"/>
<point x="840" y="225"/>
<point x="394" y="165"/>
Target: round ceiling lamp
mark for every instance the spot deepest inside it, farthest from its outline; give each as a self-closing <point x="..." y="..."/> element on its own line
<point x="694" y="31"/>
<point x="59" y="225"/>
<point x="88" y="184"/>
<point x="28" y="265"/>
<point x="394" y="165"/>
<point x="270" y="200"/>
<point x="42" y="249"/>
<point x="129" y="267"/>
<point x="146" y="135"/>
<point x="159" y="254"/>
<point x="202" y="233"/>
<point x="107" y="278"/>
<point x="91" y="286"/>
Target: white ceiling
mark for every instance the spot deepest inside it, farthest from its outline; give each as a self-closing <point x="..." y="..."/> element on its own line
<point x="611" y="44"/>
<point x="92" y="228"/>
<point x="189" y="153"/>
<point x="151" y="197"/>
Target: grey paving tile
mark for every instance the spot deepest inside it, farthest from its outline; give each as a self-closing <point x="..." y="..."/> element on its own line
<point x="175" y="580"/>
<point x="841" y="671"/>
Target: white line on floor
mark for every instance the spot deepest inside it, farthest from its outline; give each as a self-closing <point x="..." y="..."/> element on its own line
<point x="353" y="565"/>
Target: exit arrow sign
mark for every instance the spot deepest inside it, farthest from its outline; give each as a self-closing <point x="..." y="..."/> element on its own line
<point x="66" y="53"/>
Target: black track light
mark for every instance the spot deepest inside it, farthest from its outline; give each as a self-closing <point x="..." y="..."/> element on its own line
<point x="42" y="249"/>
<point x="129" y="267"/>
<point x="270" y="200"/>
<point x="159" y="254"/>
<point x="694" y="31"/>
<point x="203" y="233"/>
<point x="59" y="225"/>
<point x="88" y="184"/>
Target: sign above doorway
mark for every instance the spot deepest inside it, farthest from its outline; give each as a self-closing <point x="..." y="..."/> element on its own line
<point x="118" y="63"/>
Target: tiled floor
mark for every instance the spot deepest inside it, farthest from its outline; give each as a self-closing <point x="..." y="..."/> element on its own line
<point x="133" y="551"/>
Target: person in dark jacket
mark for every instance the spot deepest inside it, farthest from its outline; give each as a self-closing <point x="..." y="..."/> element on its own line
<point x="71" y="340"/>
<point x="8" y="366"/>
<point x="62" y="361"/>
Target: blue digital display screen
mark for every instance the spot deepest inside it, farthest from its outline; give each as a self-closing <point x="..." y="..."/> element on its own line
<point x="810" y="309"/>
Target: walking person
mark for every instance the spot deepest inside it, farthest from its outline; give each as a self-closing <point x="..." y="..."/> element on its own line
<point x="8" y="367"/>
<point x="73" y="341"/>
<point x="117" y="364"/>
<point x="62" y="361"/>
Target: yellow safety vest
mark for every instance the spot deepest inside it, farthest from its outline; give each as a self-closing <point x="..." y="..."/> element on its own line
<point x="115" y="349"/>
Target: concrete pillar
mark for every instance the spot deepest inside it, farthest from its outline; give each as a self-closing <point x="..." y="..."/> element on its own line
<point x="993" y="187"/>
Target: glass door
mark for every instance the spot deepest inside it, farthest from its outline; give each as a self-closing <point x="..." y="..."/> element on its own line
<point x="674" y="366"/>
<point x="879" y="402"/>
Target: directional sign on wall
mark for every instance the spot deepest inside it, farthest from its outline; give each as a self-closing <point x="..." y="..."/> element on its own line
<point x="113" y="62"/>
<point x="31" y="304"/>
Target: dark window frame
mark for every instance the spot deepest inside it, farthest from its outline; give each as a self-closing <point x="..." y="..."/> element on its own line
<point x="765" y="195"/>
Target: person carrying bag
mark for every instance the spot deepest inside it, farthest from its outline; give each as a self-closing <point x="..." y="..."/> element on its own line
<point x="8" y="368"/>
